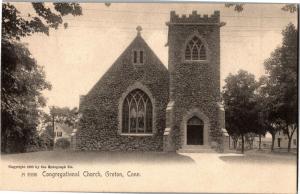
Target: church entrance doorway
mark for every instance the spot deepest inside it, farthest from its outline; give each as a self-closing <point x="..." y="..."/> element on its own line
<point x="195" y="131"/>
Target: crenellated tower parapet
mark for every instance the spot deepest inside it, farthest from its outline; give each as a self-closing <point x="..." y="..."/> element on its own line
<point x="194" y="19"/>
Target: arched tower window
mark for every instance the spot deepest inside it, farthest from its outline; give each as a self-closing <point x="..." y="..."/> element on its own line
<point x="195" y="50"/>
<point x="137" y="113"/>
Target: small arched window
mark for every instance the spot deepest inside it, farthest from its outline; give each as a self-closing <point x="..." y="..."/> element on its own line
<point x="137" y="113"/>
<point x="195" y="50"/>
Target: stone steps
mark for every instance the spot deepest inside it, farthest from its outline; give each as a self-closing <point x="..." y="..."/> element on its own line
<point x="196" y="149"/>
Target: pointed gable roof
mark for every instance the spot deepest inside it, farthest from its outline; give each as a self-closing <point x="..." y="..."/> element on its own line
<point x="125" y="63"/>
<point x="139" y="43"/>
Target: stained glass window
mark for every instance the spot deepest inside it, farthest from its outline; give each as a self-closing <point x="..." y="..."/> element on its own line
<point x="137" y="113"/>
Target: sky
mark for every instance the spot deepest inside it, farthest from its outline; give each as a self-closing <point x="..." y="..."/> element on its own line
<point x="75" y="58"/>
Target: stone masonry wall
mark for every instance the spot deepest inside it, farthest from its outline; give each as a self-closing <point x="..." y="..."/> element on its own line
<point x="99" y="123"/>
<point x="194" y="84"/>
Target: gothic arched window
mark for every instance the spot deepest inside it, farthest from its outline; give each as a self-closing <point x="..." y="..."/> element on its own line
<point x="195" y="50"/>
<point x="137" y="113"/>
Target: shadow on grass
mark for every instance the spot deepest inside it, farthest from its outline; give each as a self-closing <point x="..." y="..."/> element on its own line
<point x="263" y="157"/>
<point x="101" y="157"/>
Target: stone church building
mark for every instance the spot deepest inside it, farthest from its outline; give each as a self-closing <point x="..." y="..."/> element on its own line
<point x="141" y="105"/>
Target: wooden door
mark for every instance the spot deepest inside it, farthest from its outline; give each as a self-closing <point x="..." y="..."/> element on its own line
<point x="195" y="131"/>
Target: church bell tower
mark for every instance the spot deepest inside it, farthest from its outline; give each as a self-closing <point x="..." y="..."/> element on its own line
<point x="193" y="112"/>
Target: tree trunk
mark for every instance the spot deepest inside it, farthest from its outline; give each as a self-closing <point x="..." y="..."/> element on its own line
<point x="289" y="144"/>
<point x="235" y="144"/>
<point x="273" y="141"/>
<point x="4" y="142"/>
<point x="289" y="136"/>
<point x="259" y="144"/>
<point x="242" y="143"/>
<point x="53" y="130"/>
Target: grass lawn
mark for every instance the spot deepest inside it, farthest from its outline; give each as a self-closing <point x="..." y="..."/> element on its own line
<point x="101" y="157"/>
<point x="252" y="156"/>
<point x="263" y="156"/>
